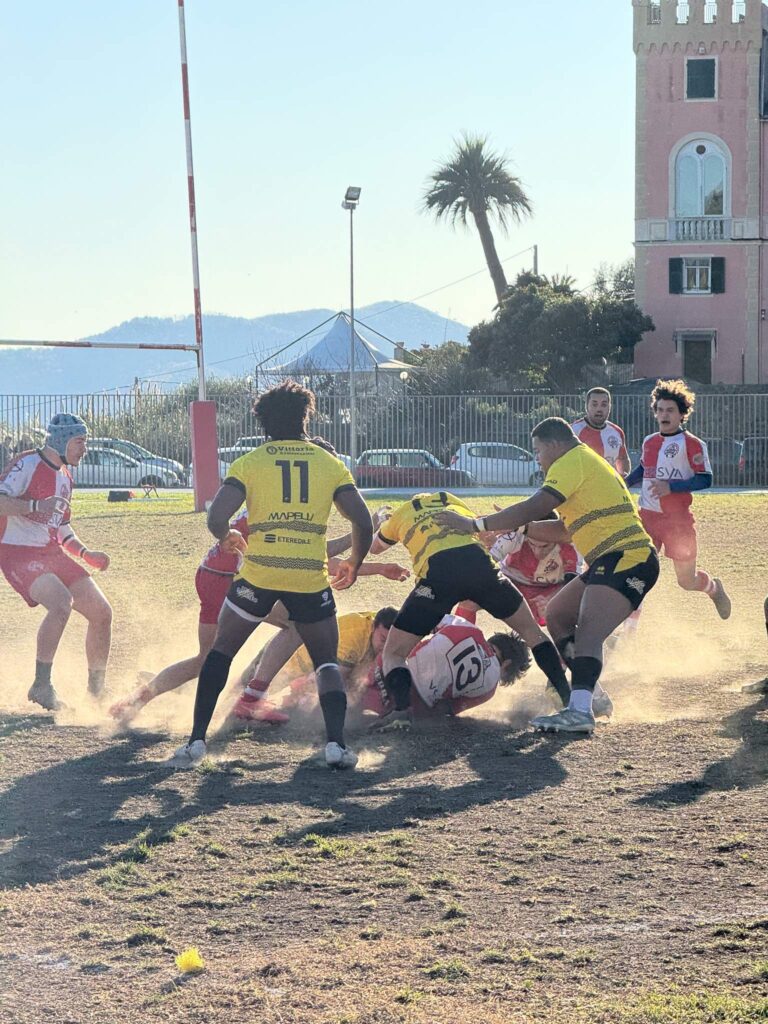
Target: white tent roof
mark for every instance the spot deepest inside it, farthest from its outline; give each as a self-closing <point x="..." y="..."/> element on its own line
<point x="332" y="354"/>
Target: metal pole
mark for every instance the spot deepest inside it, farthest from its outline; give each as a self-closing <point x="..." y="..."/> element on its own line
<point x="536" y="260"/>
<point x="192" y="205"/>
<point x="352" y="395"/>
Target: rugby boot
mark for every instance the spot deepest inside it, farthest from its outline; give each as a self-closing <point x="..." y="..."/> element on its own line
<point x="721" y="600"/>
<point x="189" y="755"/>
<point x="567" y="720"/>
<point x="259" y="710"/>
<point x="45" y="695"/>
<point x="392" y="721"/>
<point x="337" y="756"/>
<point x="602" y="705"/>
<point x="127" y="708"/>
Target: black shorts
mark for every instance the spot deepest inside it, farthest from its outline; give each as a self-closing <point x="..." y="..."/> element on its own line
<point x="632" y="573"/>
<point x="255" y="603"/>
<point x="453" y="576"/>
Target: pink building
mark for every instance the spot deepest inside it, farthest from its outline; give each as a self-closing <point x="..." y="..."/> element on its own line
<point x="701" y="234"/>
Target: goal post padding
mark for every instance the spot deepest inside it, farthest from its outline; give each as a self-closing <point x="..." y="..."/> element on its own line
<point x="205" y="452"/>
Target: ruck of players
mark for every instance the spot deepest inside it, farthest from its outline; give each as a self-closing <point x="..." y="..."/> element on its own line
<point x="564" y="573"/>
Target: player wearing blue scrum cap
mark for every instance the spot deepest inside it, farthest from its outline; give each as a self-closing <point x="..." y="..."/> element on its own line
<point x="38" y="548"/>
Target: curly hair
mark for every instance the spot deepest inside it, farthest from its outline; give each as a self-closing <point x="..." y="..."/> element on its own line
<point x="515" y="650"/>
<point x="283" y="410"/>
<point x="676" y="391"/>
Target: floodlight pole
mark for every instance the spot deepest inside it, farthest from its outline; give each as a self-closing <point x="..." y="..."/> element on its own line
<point x="192" y="206"/>
<point x="351" y="199"/>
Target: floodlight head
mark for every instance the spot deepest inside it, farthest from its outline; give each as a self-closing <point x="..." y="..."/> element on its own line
<point x="352" y="195"/>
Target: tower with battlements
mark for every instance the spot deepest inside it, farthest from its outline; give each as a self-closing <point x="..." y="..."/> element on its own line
<point x="701" y="199"/>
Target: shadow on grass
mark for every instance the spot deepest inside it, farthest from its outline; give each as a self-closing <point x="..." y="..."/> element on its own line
<point x="745" y="768"/>
<point x="63" y="820"/>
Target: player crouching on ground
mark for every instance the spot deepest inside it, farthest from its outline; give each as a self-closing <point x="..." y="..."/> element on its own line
<point x="452" y="670"/>
<point x="599" y="517"/>
<point x="451" y="568"/>
<point x="674" y="464"/>
<point x="36" y="542"/>
<point x="289" y="486"/>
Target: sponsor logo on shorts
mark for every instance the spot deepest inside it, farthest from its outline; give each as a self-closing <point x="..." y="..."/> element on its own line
<point x="325" y="597"/>
<point x="600" y="570"/>
<point x="424" y="591"/>
<point x="245" y="592"/>
<point x="35" y="567"/>
<point x="636" y="584"/>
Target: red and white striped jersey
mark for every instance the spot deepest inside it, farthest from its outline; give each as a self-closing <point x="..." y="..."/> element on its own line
<point x="455" y="663"/>
<point x="608" y="440"/>
<point x="531" y="563"/>
<point x="221" y="561"/>
<point x="671" y="457"/>
<point x="32" y="477"/>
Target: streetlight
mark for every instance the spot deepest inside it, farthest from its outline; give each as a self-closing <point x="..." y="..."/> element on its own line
<point x="350" y="202"/>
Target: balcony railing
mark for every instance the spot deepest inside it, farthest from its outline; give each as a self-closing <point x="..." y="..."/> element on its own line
<point x="699" y="229"/>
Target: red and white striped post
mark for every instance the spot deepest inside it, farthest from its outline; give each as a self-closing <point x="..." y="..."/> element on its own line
<point x="202" y="414"/>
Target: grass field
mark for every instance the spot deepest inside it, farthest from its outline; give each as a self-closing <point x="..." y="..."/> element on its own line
<point x="469" y="872"/>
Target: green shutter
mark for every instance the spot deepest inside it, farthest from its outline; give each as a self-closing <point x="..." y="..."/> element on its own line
<point x="718" y="275"/>
<point x="676" y="276"/>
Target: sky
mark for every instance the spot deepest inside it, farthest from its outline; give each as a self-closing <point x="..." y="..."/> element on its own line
<point x="291" y="103"/>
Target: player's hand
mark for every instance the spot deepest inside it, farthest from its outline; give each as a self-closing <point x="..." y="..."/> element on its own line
<point x="381" y="515"/>
<point x="660" y="489"/>
<point x="233" y="543"/>
<point x="96" y="559"/>
<point x="393" y="571"/>
<point x="455" y="522"/>
<point x="47" y="506"/>
<point x="346" y="574"/>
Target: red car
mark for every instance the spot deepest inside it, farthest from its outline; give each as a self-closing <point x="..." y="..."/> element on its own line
<point x="407" y="467"/>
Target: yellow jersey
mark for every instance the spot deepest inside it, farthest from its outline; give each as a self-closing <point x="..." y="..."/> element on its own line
<point x="355" y="630"/>
<point x="413" y="525"/>
<point x="596" y="508"/>
<point x="289" y="487"/>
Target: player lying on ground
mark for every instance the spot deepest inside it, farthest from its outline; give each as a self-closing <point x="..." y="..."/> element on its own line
<point x="596" y="431"/>
<point x="362" y="636"/>
<point x="452" y="670"/>
<point x="599" y="517"/>
<point x="38" y="548"/>
<point x="674" y="464"/>
<point x="289" y="486"/>
<point x="451" y="568"/>
<point x="212" y="581"/>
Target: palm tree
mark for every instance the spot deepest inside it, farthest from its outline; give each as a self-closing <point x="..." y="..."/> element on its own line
<point x="478" y="181"/>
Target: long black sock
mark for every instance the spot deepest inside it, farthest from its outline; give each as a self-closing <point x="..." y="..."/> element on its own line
<point x="96" y="678"/>
<point x="398" y="682"/>
<point x="213" y="679"/>
<point x="585" y="673"/>
<point x="334" y="707"/>
<point x="565" y="647"/>
<point x="42" y="673"/>
<point x="548" y="660"/>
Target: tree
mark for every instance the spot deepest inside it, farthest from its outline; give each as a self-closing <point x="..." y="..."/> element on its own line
<point x="617" y="280"/>
<point x="542" y="336"/>
<point x="445" y="370"/>
<point x="477" y="181"/>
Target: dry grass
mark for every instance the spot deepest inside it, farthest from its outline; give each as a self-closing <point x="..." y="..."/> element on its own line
<point x="470" y="872"/>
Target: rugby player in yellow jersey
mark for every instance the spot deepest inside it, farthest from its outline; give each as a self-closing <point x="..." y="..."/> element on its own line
<point x="451" y="567"/>
<point x="598" y="516"/>
<point x="289" y="486"/>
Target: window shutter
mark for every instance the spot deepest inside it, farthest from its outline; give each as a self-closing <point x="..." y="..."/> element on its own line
<point x="718" y="275"/>
<point x="676" y="276"/>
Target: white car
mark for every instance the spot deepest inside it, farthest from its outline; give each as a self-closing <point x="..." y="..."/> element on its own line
<point x="498" y="464"/>
<point x="135" y="451"/>
<point x="103" y="467"/>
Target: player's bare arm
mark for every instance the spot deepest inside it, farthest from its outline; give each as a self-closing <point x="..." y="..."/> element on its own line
<point x="550" y="531"/>
<point x="227" y="501"/>
<point x="538" y="506"/>
<point x="75" y="547"/>
<point x="350" y="504"/>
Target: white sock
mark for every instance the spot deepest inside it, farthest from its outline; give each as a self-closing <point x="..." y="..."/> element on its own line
<point x="581" y="700"/>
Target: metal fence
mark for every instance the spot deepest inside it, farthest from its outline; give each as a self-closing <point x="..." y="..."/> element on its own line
<point x="153" y="430"/>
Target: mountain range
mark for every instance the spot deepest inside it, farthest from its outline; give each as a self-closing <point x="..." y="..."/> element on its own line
<point x="233" y="347"/>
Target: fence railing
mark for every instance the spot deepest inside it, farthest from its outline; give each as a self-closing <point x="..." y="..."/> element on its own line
<point x="138" y="437"/>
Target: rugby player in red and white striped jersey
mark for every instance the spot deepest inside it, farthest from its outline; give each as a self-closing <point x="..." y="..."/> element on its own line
<point x="595" y="430"/>
<point x="673" y="465"/>
<point x="38" y="548"/>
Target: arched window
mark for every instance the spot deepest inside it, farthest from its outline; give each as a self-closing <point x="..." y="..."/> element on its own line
<point x="700" y="180"/>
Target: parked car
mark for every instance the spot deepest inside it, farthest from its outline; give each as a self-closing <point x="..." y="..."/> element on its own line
<point x="725" y="457"/>
<point x="105" y="467"/>
<point x="753" y="464"/>
<point x="248" y="443"/>
<point x="498" y="464"/>
<point x="407" y="467"/>
<point x="136" y="451"/>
